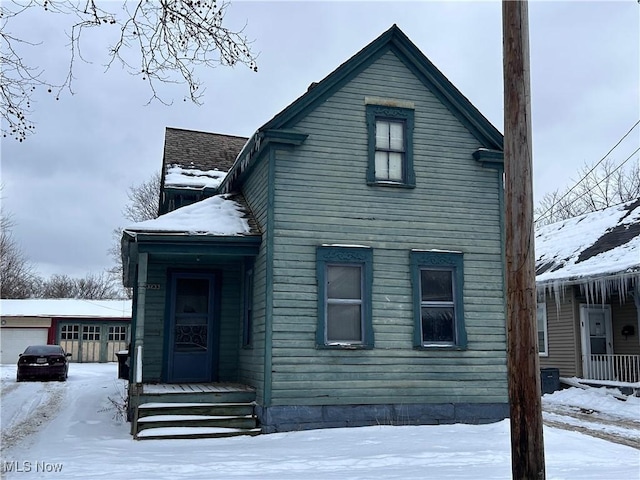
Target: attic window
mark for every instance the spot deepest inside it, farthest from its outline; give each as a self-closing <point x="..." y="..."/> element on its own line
<point x="390" y="146"/>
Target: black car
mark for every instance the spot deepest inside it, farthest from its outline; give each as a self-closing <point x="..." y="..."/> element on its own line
<point x="43" y="361"/>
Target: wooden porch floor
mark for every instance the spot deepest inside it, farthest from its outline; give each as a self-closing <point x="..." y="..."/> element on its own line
<point x="182" y="388"/>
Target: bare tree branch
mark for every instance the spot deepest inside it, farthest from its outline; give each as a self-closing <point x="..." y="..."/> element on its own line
<point x="162" y="41"/>
<point x="607" y="185"/>
<point x="144" y="200"/>
<point x="17" y="274"/>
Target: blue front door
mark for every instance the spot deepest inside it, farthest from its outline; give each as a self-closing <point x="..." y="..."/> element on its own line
<point x="192" y="335"/>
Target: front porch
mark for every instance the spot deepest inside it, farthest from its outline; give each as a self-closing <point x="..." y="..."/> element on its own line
<point x="192" y="410"/>
<point x="611" y="367"/>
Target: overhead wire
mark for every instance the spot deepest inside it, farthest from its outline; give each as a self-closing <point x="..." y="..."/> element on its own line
<point x="586" y="175"/>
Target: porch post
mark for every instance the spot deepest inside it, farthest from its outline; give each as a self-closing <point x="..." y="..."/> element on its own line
<point x="636" y="299"/>
<point x="139" y="336"/>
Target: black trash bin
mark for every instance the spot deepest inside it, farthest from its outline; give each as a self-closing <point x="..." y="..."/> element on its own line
<point x="123" y="364"/>
<point x="549" y="380"/>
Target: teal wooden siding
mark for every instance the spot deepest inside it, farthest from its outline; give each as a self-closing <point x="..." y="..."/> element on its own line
<point x="321" y="197"/>
<point x="156" y="310"/>
<point x="251" y="360"/>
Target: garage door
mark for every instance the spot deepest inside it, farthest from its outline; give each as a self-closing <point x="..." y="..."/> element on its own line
<point x="95" y="342"/>
<point x="13" y="341"/>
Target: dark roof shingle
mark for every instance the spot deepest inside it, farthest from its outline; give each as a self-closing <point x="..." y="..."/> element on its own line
<point x="200" y="150"/>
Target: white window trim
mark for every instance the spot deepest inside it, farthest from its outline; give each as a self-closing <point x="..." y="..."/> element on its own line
<point x="543" y="306"/>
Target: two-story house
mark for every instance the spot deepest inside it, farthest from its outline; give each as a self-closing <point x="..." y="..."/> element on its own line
<point x="347" y="270"/>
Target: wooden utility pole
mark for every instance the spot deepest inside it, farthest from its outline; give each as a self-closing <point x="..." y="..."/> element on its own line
<point x="527" y="445"/>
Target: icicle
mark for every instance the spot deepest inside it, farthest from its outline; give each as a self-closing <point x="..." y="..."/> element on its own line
<point x="602" y="289"/>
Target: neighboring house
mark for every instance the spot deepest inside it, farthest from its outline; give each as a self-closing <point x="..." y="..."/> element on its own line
<point x="91" y="330"/>
<point x="588" y="280"/>
<point x="349" y="268"/>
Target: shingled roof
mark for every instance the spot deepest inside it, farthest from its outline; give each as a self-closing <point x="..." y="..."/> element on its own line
<point x="599" y="245"/>
<point x="199" y="150"/>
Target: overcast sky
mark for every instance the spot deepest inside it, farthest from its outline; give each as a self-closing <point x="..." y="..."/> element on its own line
<point x="66" y="185"/>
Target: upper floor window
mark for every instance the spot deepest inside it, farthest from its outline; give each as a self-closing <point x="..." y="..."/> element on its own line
<point x="438" y="303"/>
<point x="345" y="277"/>
<point x="390" y="131"/>
<point x="541" y="320"/>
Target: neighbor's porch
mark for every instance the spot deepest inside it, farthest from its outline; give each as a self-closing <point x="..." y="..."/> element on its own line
<point x="611" y="367"/>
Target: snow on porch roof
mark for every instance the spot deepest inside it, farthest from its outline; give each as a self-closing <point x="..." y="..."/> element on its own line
<point x="65" y="307"/>
<point x="220" y="215"/>
<point x="602" y="244"/>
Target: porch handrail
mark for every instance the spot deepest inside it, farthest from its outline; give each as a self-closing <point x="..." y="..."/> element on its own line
<point x="621" y="368"/>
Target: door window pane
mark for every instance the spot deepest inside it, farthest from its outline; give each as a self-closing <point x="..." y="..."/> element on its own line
<point x="191" y="315"/>
<point x="192" y="295"/>
<point x="596" y="324"/>
<point x="598" y="346"/>
<point x="190" y="338"/>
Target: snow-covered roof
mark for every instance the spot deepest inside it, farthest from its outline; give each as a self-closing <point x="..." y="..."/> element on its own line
<point x="597" y="245"/>
<point x="219" y="215"/>
<point x="178" y="176"/>
<point x="66" y="307"/>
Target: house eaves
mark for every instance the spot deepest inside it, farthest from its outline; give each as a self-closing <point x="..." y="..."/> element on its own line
<point x="392" y="40"/>
<point x="598" y="248"/>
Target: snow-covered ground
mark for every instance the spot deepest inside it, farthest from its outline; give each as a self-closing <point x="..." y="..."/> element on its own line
<point x="72" y="429"/>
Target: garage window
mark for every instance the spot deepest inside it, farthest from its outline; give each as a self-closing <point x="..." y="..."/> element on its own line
<point x="117" y="333"/>
<point x="90" y="332"/>
<point x="70" y="332"/>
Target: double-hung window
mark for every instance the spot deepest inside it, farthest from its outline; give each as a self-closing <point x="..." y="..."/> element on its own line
<point x="541" y="320"/>
<point x="390" y="131"/>
<point x="344" y="296"/>
<point x="437" y="279"/>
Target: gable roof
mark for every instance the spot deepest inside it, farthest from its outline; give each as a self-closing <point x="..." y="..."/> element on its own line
<point x="392" y="40"/>
<point x="395" y="40"/>
<point x="597" y="245"/>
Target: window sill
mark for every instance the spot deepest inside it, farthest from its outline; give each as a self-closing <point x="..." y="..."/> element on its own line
<point x="344" y="346"/>
<point x="387" y="183"/>
<point x="458" y="348"/>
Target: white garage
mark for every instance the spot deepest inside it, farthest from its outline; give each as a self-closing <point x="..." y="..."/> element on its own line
<point x="91" y="330"/>
<point x="13" y="341"/>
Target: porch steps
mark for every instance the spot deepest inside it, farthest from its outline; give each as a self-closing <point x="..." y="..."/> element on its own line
<point x="200" y="411"/>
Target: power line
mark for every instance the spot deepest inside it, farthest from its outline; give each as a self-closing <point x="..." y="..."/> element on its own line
<point x="590" y="171"/>
<point x="589" y="190"/>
